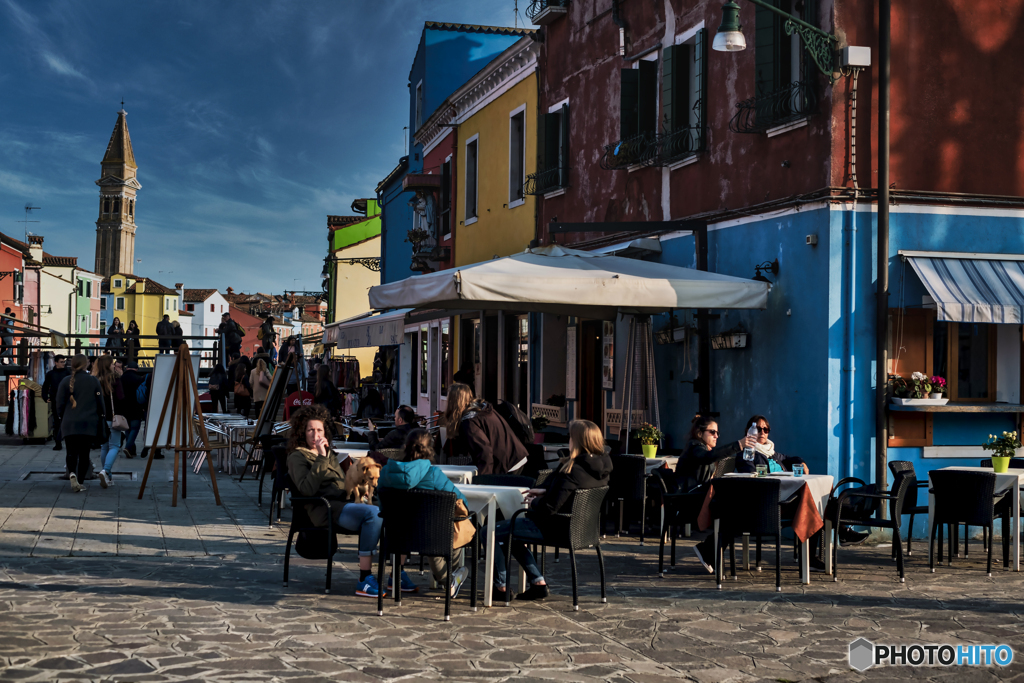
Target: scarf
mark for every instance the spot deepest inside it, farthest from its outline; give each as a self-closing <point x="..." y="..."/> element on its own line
<point x="766" y="449"/>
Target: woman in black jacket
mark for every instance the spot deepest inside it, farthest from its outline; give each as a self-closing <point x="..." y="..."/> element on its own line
<point x="697" y="463"/>
<point x="764" y="451"/>
<point x="131" y="342"/>
<point x="587" y="467"/>
<point x="115" y="338"/>
<point x="473" y="428"/>
<point x="80" y="405"/>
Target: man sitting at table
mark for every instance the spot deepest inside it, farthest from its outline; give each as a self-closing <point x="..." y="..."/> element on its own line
<point x="587" y="467"/>
<point x="415" y="471"/>
<point x="405" y="422"/>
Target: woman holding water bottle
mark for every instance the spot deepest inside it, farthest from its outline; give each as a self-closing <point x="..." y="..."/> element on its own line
<point x="696" y="465"/>
<point x="763" y="451"/>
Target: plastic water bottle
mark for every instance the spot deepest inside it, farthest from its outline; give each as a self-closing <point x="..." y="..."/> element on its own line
<point x="748" y="452"/>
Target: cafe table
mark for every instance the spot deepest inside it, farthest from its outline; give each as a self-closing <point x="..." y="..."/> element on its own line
<point x="458" y="474"/>
<point x="485" y="501"/>
<point x="819" y="487"/>
<point x="1010" y="480"/>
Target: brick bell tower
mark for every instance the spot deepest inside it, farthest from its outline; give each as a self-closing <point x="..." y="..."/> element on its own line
<point x="115" y="228"/>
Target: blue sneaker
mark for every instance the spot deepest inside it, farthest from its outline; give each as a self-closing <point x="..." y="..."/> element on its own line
<point x="407" y="585"/>
<point x="368" y="587"/>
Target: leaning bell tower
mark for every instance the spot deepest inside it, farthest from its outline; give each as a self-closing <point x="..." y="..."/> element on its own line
<point x="115" y="228"/>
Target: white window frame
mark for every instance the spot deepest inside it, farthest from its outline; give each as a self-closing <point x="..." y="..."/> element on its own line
<point x="117" y="283"/>
<point x="513" y="203"/>
<point x="476" y="181"/>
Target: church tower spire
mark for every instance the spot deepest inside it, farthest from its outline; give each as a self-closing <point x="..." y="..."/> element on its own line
<point x="115" y="227"/>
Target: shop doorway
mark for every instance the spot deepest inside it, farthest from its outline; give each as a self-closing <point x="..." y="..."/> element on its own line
<point x="591" y="396"/>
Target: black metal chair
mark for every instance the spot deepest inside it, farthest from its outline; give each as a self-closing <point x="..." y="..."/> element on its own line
<point x="279" y="482"/>
<point x="577" y="530"/>
<point x="965" y="497"/>
<point x="314" y="542"/>
<point x="629" y="485"/>
<point x="503" y="480"/>
<point x="910" y="502"/>
<point x="419" y="521"/>
<point x="902" y="483"/>
<point x="746" y="506"/>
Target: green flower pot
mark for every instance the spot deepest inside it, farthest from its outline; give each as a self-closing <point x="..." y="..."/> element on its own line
<point x="652" y="450"/>
<point x="1000" y="463"/>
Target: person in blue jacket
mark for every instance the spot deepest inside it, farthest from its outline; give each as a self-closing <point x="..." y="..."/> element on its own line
<point x="415" y="471"/>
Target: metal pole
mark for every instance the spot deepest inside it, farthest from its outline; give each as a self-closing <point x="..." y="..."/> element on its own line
<point x="703" y="384"/>
<point x="882" y="290"/>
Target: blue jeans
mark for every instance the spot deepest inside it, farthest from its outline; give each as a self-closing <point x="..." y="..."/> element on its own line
<point x="134" y="426"/>
<point x="526" y="530"/>
<point x="108" y="451"/>
<point x="364" y="519"/>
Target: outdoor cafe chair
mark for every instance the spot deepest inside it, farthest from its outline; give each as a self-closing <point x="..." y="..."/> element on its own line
<point x="966" y="497"/>
<point x="746" y="506"/>
<point x="420" y="521"/>
<point x="911" y="504"/>
<point x="903" y="482"/>
<point x="577" y="530"/>
<point x="313" y="542"/>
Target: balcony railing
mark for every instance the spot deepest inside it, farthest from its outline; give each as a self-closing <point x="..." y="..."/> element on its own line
<point x="543" y="12"/>
<point x="678" y="145"/>
<point x="759" y="114"/>
<point x="546" y="181"/>
<point x="638" y="150"/>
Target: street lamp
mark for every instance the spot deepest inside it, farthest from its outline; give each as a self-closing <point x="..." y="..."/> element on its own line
<point x="819" y="44"/>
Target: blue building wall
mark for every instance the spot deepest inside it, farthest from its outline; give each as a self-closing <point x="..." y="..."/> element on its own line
<point x="395" y="223"/>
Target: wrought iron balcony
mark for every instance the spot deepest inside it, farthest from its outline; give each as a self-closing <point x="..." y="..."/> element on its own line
<point x="639" y="150"/>
<point x="542" y="12"/>
<point x="678" y="144"/>
<point x="761" y="113"/>
<point x="546" y="181"/>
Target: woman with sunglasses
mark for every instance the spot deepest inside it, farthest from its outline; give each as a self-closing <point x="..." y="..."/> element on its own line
<point x="764" y="451"/>
<point x="696" y="465"/>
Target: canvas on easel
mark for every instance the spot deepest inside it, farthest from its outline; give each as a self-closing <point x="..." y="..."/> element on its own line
<point x="183" y="417"/>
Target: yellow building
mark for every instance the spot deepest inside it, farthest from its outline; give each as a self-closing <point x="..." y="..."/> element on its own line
<point x="143" y="300"/>
<point x="352" y="268"/>
<point x="496" y="149"/>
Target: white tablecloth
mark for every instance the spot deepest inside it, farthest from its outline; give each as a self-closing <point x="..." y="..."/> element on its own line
<point x="459" y="474"/>
<point x="819" y="484"/>
<point x="509" y="498"/>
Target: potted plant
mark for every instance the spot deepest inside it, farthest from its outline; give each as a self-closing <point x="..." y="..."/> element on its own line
<point x="938" y="387"/>
<point x="1003" y="448"/>
<point x="539" y="422"/>
<point x="649" y="436"/>
<point x="918" y="390"/>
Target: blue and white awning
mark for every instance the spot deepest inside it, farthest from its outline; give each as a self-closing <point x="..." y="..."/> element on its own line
<point x="972" y="288"/>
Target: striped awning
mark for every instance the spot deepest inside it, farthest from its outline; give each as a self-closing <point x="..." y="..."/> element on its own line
<point x="973" y="288"/>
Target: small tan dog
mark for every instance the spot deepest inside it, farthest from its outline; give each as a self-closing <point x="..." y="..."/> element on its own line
<point x="361" y="480"/>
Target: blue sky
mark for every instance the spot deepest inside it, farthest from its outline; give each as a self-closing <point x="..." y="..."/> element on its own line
<point x="251" y="121"/>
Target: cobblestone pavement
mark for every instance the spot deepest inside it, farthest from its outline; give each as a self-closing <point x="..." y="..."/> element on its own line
<point x="104" y="587"/>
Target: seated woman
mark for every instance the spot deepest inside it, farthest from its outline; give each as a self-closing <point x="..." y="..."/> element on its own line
<point x="764" y="451"/>
<point x="587" y="467"/>
<point x="696" y="465"/>
<point x="314" y="470"/>
<point x="415" y="471"/>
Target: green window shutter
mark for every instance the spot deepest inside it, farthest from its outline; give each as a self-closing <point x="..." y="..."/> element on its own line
<point x="700" y="60"/>
<point x="629" y="94"/>
<point x="669" y="58"/>
<point x="765" y="51"/>
<point x="647" y="102"/>
<point x="563" y="147"/>
<point x="810" y="15"/>
<point x="551" y="133"/>
<point x="542" y="143"/>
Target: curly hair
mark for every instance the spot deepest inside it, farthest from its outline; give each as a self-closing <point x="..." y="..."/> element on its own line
<point x="300" y="418"/>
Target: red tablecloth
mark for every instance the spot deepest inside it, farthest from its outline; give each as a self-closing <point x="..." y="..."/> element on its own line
<point x="806" y="519"/>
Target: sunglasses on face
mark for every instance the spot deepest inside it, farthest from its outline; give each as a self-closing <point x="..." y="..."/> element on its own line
<point x="712" y="432"/>
<point x="764" y="430"/>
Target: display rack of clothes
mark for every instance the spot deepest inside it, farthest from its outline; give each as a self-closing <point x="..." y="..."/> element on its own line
<point x="387" y="394"/>
<point x="345" y="373"/>
<point x="28" y="414"/>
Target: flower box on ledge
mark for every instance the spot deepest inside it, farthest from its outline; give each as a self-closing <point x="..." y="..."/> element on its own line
<point x="920" y="401"/>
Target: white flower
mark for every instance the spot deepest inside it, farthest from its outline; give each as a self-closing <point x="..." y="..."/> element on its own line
<point x="918" y="376"/>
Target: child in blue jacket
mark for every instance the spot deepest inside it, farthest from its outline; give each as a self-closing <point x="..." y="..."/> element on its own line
<point x="415" y="471"/>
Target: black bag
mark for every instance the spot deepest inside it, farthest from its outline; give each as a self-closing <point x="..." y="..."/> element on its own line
<point x="312" y="544"/>
<point x="516" y="420"/>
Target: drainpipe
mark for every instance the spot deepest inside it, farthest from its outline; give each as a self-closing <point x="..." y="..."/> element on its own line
<point x="882" y="303"/>
<point x="703" y="383"/>
<point x="621" y="23"/>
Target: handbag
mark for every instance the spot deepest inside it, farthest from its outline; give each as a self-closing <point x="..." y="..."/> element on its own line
<point x="240" y="390"/>
<point x="118" y="423"/>
<point x="264" y="382"/>
<point x="464" y="529"/>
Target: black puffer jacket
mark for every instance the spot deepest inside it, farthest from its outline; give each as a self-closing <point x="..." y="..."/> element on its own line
<point x="588" y="472"/>
<point x="697" y="463"/>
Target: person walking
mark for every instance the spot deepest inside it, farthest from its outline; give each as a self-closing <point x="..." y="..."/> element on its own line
<point x="232" y="333"/>
<point x="115" y="337"/>
<point x="243" y="388"/>
<point x="132" y="343"/>
<point x="50" y="384"/>
<point x="219" y="388"/>
<point x="259" y="380"/>
<point x="130" y="407"/>
<point x="165" y="329"/>
<point x="83" y="419"/>
<point x="267" y="334"/>
<point x="113" y="394"/>
<point x="178" y="338"/>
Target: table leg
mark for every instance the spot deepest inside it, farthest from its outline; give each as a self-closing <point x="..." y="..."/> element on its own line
<point x="828" y="546"/>
<point x="931" y="522"/>
<point x="489" y="564"/>
<point x="746" y="552"/>
<point x="718" y="560"/>
<point x="805" y="562"/>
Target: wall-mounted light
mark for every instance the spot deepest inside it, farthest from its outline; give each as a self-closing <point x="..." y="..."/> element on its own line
<point x="766" y="267"/>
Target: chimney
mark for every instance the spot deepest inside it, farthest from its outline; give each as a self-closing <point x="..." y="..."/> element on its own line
<point x="35" y="247"/>
<point x="180" y="286"/>
<point x="231" y="290"/>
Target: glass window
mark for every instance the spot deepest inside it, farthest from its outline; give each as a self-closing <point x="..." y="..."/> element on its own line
<point x="88" y="288"/>
<point x="120" y="303"/>
<point x="445" y="355"/>
<point x="414" y="341"/>
<point x="103" y="303"/>
<point x="964" y="355"/>
<point x="471" y="179"/>
<point x="117" y="282"/>
<point x="424" y="361"/>
<point x="516" y="156"/>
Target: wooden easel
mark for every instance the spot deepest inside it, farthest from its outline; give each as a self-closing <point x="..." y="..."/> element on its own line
<point x="183" y="427"/>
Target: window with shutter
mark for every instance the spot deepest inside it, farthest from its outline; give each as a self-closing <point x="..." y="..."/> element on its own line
<point x="471" y="179"/>
<point x="683" y="100"/>
<point x="445" y="216"/>
<point x="552" y="153"/>
<point x="638" y="118"/>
